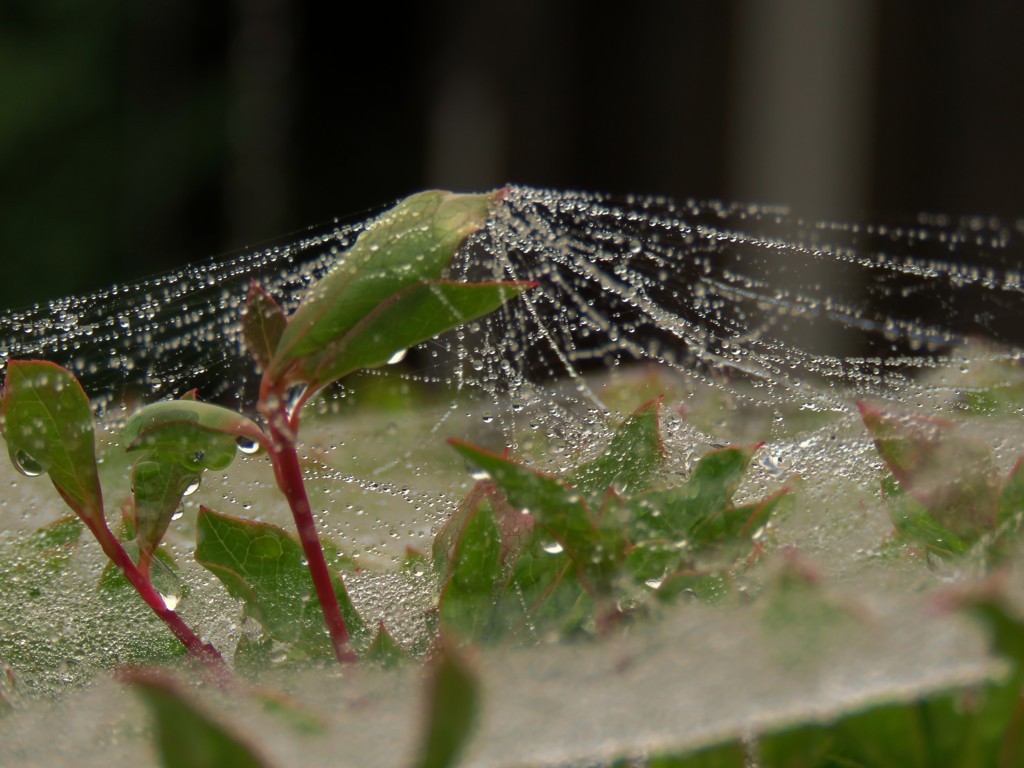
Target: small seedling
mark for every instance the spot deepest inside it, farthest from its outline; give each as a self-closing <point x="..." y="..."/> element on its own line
<point x="388" y="293"/>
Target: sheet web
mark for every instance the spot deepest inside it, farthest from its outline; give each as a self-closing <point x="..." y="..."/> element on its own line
<point x="756" y="324"/>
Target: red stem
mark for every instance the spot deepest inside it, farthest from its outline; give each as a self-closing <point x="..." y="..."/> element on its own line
<point x="203" y="652"/>
<point x="289" y="479"/>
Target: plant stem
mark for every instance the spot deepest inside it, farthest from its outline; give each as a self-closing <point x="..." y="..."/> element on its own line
<point x="203" y="652"/>
<point x="289" y="479"/>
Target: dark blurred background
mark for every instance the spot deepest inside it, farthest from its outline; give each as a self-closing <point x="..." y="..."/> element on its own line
<point x="138" y="136"/>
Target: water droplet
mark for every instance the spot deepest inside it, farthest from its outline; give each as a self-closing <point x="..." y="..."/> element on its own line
<point x="398" y="357"/>
<point x="247" y="446"/>
<point x="479" y="474"/>
<point x="554" y="548"/>
<point x="171" y="601"/>
<point x="654" y="583"/>
<point x="192" y="487"/>
<point x="177" y="514"/>
<point x="772" y="465"/>
<point x="28" y="466"/>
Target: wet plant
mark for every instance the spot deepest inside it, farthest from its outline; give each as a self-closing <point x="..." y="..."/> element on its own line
<point x="389" y="292"/>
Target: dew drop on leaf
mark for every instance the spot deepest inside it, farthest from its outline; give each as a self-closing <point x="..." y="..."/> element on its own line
<point x="28" y="466"/>
<point x="247" y="446"/>
<point x="192" y="487"/>
<point x="398" y="357"/>
<point x="554" y="548"/>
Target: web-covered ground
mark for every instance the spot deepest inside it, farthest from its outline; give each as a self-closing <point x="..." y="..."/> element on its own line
<point x="755" y="326"/>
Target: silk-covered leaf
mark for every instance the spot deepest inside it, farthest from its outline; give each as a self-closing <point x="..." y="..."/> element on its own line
<point x="48" y="426"/>
<point x="383" y="650"/>
<point x="631" y="458"/>
<point x="411" y="243"/>
<point x="674" y="513"/>
<point x="196" y="435"/>
<point x="558" y="509"/>
<point x="406" y="318"/>
<point x="914" y="521"/>
<point x="474" y="577"/>
<point x="941" y="464"/>
<point x="733" y="523"/>
<point x="264" y="566"/>
<point x="157" y="488"/>
<point x="263" y="323"/>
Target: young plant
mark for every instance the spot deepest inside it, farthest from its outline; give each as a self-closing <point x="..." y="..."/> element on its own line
<point x="388" y="293"/>
<point x="48" y="426"/>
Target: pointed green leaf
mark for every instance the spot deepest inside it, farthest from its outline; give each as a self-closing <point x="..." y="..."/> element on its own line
<point x="474" y="577"/>
<point x="187" y="737"/>
<point x="631" y="458"/>
<point x="158" y="487"/>
<point x="942" y="465"/>
<point x="913" y="520"/>
<point x="673" y="513"/>
<point x="264" y="566"/>
<point x="263" y="323"/>
<point x="197" y="435"/>
<point x="384" y="651"/>
<point x="558" y="509"/>
<point x="48" y="425"/>
<point x="452" y="705"/>
<point x="406" y="318"/>
<point x="737" y="522"/>
<point x="411" y="243"/>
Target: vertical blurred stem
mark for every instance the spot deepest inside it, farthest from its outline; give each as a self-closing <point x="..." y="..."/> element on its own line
<point x="288" y="473"/>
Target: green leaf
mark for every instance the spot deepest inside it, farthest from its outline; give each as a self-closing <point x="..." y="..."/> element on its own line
<point x="263" y="324"/>
<point x="411" y="243"/>
<point x="158" y="487"/>
<point x="252" y="655"/>
<point x="943" y="466"/>
<point x="453" y="701"/>
<point x="558" y="509"/>
<point x="187" y="737"/>
<point x="264" y="566"/>
<point x="48" y="425"/>
<point x="729" y="755"/>
<point x="673" y="514"/>
<point x="196" y="435"/>
<point x="733" y="523"/>
<point x="384" y="651"/>
<point x="1011" y="497"/>
<point x="913" y="519"/>
<point x="631" y="458"/>
<point x="404" y="319"/>
<point x="474" y="577"/>
<point x="55" y="542"/>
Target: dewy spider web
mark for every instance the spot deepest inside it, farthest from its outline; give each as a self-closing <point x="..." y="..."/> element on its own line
<point x="734" y="300"/>
<point x="708" y="289"/>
